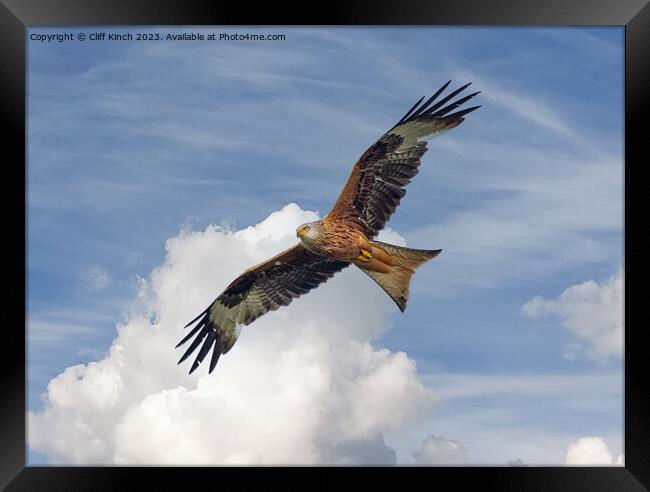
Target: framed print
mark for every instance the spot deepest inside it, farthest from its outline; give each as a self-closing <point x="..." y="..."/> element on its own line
<point x="203" y="185"/>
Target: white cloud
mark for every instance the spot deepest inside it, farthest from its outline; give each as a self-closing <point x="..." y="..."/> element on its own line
<point x="525" y="106"/>
<point x="502" y="416"/>
<point x="592" y="311"/>
<point x="96" y="278"/>
<point x="438" y="450"/>
<point x="514" y="235"/>
<point x="516" y="462"/>
<point x="372" y="451"/>
<point x="449" y="387"/>
<point x="591" y="451"/>
<point x="541" y="190"/>
<point x="52" y="325"/>
<point x="528" y="108"/>
<point x="302" y="385"/>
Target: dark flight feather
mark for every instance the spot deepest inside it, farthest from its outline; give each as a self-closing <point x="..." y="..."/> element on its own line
<point x="379" y="178"/>
<point x="263" y="288"/>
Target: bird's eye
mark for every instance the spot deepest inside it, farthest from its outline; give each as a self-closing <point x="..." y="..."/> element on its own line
<point x="307" y="228"/>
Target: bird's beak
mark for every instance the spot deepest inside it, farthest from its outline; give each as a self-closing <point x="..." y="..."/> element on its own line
<point x="300" y="232"/>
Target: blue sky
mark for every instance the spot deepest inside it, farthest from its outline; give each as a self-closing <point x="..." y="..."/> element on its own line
<point x="131" y="142"/>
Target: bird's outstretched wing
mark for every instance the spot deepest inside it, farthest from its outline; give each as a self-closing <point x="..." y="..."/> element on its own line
<point x="378" y="179"/>
<point x="260" y="289"/>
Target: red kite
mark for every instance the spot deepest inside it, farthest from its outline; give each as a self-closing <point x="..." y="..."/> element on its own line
<point x="343" y="237"/>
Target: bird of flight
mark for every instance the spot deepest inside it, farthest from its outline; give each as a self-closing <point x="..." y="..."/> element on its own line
<point x="341" y="238"/>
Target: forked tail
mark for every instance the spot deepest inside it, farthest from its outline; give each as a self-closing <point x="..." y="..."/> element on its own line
<point x="405" y="261"/>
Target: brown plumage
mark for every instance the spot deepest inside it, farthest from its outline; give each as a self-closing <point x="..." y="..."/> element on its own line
<point x="344" y="236"/>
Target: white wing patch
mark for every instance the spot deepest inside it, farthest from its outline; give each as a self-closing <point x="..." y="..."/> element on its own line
<point x="414" y="131"/>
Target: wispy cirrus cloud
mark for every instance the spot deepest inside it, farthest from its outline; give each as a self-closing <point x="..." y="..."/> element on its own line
<point x="529" y="107"/>
<point x="96" y="278"/>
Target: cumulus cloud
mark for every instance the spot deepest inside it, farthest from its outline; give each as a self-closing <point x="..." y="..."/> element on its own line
<point x="372" y="450"/>
<point x="591" y="451"/>
<point x="438" y="450"/>
<point x="592" y="311"/>
<point x="516" y="462"/>
<point x="302" y="384"/>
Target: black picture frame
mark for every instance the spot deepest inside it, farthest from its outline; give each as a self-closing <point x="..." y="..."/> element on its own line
<point x="18" y="15"/>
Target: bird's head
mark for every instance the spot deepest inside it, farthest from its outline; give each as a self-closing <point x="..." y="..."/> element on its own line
<point x="307" y="232"/>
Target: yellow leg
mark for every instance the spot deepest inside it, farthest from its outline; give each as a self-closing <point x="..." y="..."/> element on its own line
<point x="365" y="255"/>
